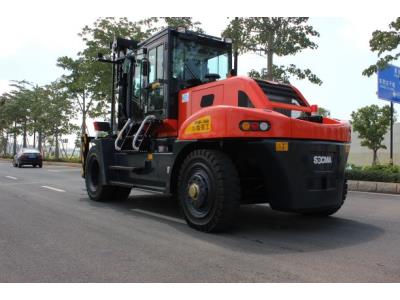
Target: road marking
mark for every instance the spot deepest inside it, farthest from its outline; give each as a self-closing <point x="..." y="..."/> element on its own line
<point x="53" y="189"/>
<point x="22" y="183"/>
<point x="11" y="177"/>
<point x="376" y="193"/>
<point x="62" y="170"/>
<point x="176" y="220"/>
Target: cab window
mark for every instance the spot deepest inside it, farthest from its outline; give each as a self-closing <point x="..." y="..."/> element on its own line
<point x="156" y="60"/>
<point x="137" y="102"/>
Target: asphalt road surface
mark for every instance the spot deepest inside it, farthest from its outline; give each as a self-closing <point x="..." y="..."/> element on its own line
<point x="51" y="232"/>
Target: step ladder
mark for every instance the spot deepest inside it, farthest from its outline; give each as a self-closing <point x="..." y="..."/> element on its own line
<point x="141" y="138"/>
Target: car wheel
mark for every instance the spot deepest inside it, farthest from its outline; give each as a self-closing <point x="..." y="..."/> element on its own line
<point x="209" y="190"/>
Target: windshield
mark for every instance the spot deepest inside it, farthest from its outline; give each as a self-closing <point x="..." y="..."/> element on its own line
<point x="193" y="61"/>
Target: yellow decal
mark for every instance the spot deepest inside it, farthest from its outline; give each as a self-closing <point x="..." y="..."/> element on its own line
<point x="201" y="125"/>
<point x="281" y="146"/>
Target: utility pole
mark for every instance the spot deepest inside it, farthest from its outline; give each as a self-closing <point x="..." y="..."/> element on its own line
<point x="391" y="132"/>
<point x="236" y="52"/>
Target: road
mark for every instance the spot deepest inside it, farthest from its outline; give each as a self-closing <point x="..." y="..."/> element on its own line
<point x="51" y="232"/>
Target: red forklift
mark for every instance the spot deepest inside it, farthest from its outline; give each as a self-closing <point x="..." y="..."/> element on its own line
<point x="183" y="124"/>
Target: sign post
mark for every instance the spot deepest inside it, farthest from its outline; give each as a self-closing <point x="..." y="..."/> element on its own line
<point x="389" y="89"/>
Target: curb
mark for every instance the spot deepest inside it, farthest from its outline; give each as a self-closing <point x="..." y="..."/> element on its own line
<point x="52" y="163"/>
<point x="374" y="187"/>
<point x="353" y="185"/>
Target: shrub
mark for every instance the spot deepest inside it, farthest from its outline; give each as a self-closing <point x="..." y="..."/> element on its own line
<point x="380" y="173"/>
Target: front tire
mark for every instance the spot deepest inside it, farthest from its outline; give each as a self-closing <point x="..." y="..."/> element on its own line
<point x="96" y="190"/>
<point x="209" y="190"/>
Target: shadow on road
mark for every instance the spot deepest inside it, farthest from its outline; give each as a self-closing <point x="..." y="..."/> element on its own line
<point x="259" y="229"/>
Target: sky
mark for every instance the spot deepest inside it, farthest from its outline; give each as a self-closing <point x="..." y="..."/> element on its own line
<point x="35" y="33"/>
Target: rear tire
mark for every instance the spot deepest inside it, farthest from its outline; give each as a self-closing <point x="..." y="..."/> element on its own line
<point x="209" y="190"/>
<point x="95" y="189"/>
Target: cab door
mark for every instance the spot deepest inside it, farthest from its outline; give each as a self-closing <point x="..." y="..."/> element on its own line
<point x="157" y="89"/>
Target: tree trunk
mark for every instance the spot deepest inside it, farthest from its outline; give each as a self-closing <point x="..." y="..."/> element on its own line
<point x="375" y="157"/>
<point x="270" y="75"/>
<point x="15" y="139"/>
<point x="270" y="58"/>
<point x="24" y="137"/>
<point x="73" y="152"/>
<point x="84" y="122"/>
<point x="83" y="114"/>
<point x="57" y="149"/>
<point x="34" y="138"/>
<point x="40" y="140"/>
<point x="5" y="144"/>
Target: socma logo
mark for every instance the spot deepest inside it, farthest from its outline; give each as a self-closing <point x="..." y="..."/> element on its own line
<point x="319" y="160"/>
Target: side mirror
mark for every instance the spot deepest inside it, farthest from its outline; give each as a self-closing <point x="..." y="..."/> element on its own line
<point x="145" y="67"/>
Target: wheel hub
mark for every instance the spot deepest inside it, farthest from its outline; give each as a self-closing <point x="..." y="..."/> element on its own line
<point x="194" y="191"/>
<point x="197" y="191"/>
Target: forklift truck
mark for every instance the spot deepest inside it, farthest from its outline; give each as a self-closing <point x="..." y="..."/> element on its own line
<point x="183" y="124"/>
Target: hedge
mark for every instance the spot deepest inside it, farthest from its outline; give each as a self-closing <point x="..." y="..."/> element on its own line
<point x="380" y="173"/>
<point x="74" y="159"/>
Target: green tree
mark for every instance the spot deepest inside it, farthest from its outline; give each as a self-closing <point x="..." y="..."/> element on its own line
<point x="385" y="43"/>
<point x="38" y="115"/>
<point x="324" y="112"/>
<point x="89" y="82"/>
<point x="81" y="88"/>
<point x="274" y="36"/>
<point x="186" y="22"/>
<point x="58" y="114"/>
<point x="372" y="123"/>
<point x="5" y="122"/>
<point x="19" y="110"/>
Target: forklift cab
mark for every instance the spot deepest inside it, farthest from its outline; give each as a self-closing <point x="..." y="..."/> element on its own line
<point x="151" y="74"/>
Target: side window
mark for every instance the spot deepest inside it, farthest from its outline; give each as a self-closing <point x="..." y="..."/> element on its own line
<point x="152" y="61"/>
<point x="207" y="100"/>
<point x="244" y="100"/>
<point x="160" y="62"/>
<point x="156" y="59"/>
<point x="137" y="81"/>
<point x="156" y="92"/>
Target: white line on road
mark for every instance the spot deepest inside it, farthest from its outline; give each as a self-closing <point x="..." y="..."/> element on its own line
<point x="11" y="177"/>
<point x="176" y="220"/>
<point x="52" y="188"/>
<point x="62" y="170"/>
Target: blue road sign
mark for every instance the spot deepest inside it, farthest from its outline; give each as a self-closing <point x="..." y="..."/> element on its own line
<point x="389" y="84"/>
